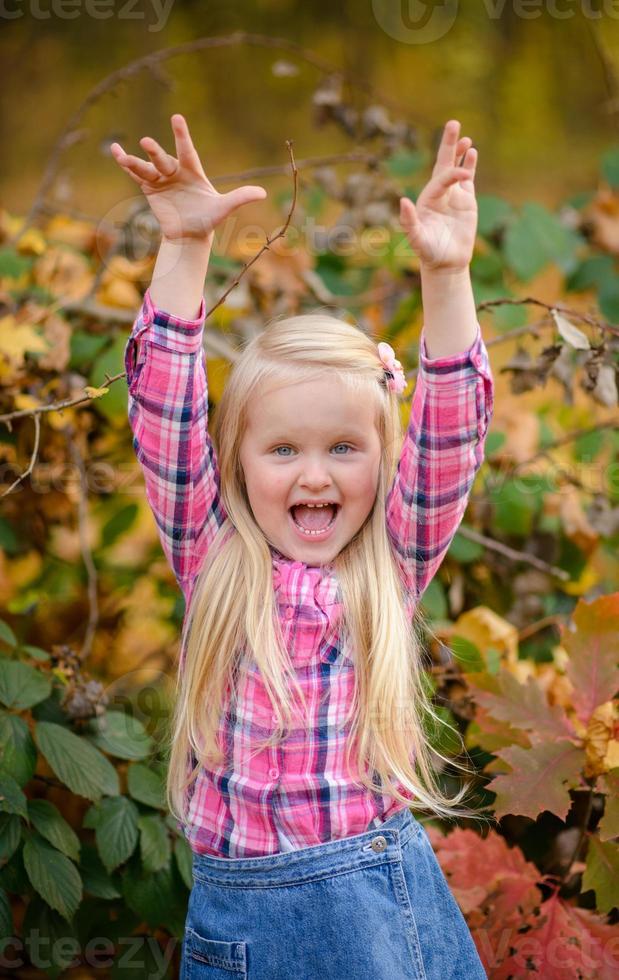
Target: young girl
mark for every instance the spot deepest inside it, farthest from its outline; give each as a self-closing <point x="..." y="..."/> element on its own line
<point x="302" y="535"/>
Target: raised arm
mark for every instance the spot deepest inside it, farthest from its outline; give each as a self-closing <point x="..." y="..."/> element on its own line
<point x="454" y="393"/>
<point x="168" y="415"/>
<point x="442" y="451"/>
<point x="164" y="357"/>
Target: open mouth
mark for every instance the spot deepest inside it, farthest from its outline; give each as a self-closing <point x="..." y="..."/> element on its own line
<point x="314" y="521"/>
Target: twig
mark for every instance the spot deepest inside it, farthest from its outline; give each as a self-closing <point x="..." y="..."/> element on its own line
<point x="554" y="620"/>
<point x="280" y="234"/>
<point x="508" y="552"/>
<point x="37" y="435"/>
<point x="593" y="321"/>
<point x="82" y="520"/>
<point x="72" y="133"/>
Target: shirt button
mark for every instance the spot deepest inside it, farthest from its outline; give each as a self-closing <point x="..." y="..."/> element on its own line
<point x="289" y="612"/>
<point x="273" y="773"/>
<point x="274" y="718"/>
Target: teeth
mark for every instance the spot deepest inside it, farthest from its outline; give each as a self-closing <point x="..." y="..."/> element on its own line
<point x="313" y="533"/>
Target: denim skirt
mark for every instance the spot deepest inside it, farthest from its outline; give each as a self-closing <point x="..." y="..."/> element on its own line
<point x="375" y="906"/>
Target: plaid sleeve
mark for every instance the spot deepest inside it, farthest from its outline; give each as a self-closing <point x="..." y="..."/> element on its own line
<point x="168" y="415"/>
<point x="442" y="451"/>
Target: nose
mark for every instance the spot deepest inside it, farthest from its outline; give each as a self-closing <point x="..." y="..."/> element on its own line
<point x="315" y="475"/>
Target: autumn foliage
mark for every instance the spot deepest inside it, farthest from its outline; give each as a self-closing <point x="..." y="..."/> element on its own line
<point x="525" y="609"/>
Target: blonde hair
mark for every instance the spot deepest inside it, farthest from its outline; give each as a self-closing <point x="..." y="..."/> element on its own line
<point x="233" y="606"/>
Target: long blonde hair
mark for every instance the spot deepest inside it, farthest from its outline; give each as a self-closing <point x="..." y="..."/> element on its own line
<point x="233" y="606"/>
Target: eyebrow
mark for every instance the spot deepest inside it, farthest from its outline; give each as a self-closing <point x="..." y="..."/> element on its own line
<point x="338" y="435"/>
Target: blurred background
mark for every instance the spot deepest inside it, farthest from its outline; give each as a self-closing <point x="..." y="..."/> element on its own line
<point x="532" y="83"/>
<point x="524" y="611"/>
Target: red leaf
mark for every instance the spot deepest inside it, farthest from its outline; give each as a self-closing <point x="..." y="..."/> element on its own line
<point x="540" y="778"/>
<point x="594" y="653"/>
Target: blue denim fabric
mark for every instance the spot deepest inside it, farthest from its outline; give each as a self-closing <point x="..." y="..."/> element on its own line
<point x="374" y="906"/>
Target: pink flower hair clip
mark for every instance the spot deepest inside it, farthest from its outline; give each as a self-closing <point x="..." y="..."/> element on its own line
<point x="396" y="379"/>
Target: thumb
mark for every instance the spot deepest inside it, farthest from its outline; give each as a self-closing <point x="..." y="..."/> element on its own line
<point x="408" y="216"/>
<point x="243" y="195"/>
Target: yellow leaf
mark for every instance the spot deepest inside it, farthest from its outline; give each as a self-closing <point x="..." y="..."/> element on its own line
<point x="486" y="630"/>
<point x="32" y="242"/>
<point x="95" y="392"/>
<point x="17" y="338"/>
<point x="119" y="292"/>
<point x="217" y="370"/>
<point x="61" y="419"/>
<point x="600" y="732"/>
<point x="23" y="402"/>
<point x="589" y="578"/>
<point x="79" y="234"/>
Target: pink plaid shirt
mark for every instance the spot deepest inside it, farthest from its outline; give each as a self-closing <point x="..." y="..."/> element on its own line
<point x="296" y="793"/>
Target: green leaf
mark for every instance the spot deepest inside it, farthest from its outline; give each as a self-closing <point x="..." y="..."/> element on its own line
<point x="608" y="298"/>
<point x="12" y="799"/>
<point x="609" y="165"/>
<point x="151" y="895"/>
<point x="494" y="441"/>
<point x="146" y="785"/>
<point x="463" y="550"/>
<point x="53" y="876"/>
<point x="440" y="733"/>
<point x="120" y="734"/>
<point x="7" y="635"/>
<point x="492" y="213"/>
<point x="49" y="938"/>
<point x="18" y="754"/>
<point x="53" y="827"/>
<point x="7" y="928"/>
<point x="10" y="835"/>
<point x="114" y="405"/>
<point x="96" y="880"/>
<point x="21" y="686"/>
<point x="536" y="238"/>
<point x="434" y="600"/>
<point x="77" y="764"/>
<point x="8" y="538"/>
<point x="84" y="348"/>
<point x="116" y="833"/>
<point x="404" y="163"/>
<point x="516" y="503"/>
<point x="602" y="873"/>
<point x="12" y="264"/>
<point x="118" y="524"/>
<point x="36" y="652"/>
<point x="154" y="842"/>
<point x="467" y="654"/>
<point x="184" y="860"/>
<point x="592" y="272"/>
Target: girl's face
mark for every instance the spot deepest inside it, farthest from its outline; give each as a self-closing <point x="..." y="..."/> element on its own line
<point x="314" y="441"/>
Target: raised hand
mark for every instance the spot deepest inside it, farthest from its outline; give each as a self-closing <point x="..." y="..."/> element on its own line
<point x="441" y="225"/>
<point x="181" y="196"/>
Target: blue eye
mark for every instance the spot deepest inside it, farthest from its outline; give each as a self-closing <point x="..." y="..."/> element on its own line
<point x="345" y="444"/>
<point x="280" y="447"/>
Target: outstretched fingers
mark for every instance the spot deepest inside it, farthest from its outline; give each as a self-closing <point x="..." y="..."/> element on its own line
<point x="440" y="182"/>
<point x="165" y="164"/>
<point x="185" y="150"/>
<point x="136" y="167"/>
